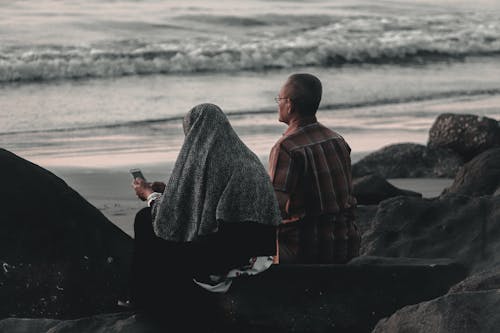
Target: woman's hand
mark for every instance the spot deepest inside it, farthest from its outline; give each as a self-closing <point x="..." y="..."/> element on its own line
<point x="142" y="188"/>
<point x="158" y="187"/>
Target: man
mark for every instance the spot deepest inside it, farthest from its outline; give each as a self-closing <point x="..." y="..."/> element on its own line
<point x="310" y="168"/>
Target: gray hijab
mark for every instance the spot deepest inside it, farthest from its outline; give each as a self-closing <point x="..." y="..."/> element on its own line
<point x="216" y="177"/>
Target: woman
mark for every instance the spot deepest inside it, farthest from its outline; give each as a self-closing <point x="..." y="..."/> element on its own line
<point x="215" y="220"/>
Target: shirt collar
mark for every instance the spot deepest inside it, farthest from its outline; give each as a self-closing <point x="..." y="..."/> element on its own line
<point x="302" y="122"/>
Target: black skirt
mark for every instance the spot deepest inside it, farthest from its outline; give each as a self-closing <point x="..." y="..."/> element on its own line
<point x="163" y="271"/>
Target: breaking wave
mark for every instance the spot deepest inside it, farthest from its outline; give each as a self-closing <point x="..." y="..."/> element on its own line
<point x="354" y="40"/>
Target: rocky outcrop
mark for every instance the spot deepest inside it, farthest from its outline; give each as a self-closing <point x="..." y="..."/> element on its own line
<point x="467" y="135"/>
<point x="463" y="224"/>
<point x="372" y="189"/>
<point x="454" y="313"/>
<point x="480" y="176"/>
<point x="485" y="280"/>
<point x="408" y="160"/>
<point x="27" y="325"/>
<point x="364" y="216"/>
<point x="340" y="298"/>
<point x="305" y="298"/>
<point x="106" y="323"/>
<point x="470" y="306"/>
<point x="60" y="256"/>
<point x="402" y="261"/>
<point x="461" y="227"/>
<point x="453" y="139"/>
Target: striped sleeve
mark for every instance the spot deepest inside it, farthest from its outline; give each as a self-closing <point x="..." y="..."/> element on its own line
<point x="284" y="169"/>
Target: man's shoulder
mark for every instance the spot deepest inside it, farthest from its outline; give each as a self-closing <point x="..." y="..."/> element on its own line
<point x="309" y="135"/>
<point x="279" y="143"/>
<point x="329" y="132"/>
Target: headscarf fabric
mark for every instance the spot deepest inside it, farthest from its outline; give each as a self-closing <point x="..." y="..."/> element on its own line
<point x="215" y="178"/>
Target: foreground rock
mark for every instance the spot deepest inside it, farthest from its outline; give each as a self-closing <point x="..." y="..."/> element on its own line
<point x="467" y="135"/>
<point x="454" y="313"/>
<point x="300" y="298"/>
<point x="113" y="322"/>
<point x="471" y="306"/>
<point x="485" y="280"/>
<point x="60" y="256"/>
<point x="372" y="189"/>
<point x="454" y="226"/>
<point x="463" y="224"/>
<point x="364" y="216"/>
<point x="480" y="176"/>
<point x="408" y="160"/>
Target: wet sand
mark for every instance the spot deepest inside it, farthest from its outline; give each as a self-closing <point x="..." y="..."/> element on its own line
<point x="111" y="192"/>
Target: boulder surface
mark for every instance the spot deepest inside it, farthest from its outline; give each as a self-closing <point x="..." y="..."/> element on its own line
<point x="488" y="279"/>
<point x="372" y="189"/>
<point x="408" y="160"/>
<point x="60" y="256"/>
<point x="454" y="226"/>
<point x="480" y="176"/>
<point x="473" y="305"/>
<point x="467" y="135"/>
<point x="297" y="298"/>
<point x="453" y="313"/>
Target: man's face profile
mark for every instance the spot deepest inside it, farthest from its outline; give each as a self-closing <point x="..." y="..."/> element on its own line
<point x="284" y="103"/>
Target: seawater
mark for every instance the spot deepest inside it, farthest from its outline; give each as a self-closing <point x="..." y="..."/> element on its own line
<point x="88" y="83"/>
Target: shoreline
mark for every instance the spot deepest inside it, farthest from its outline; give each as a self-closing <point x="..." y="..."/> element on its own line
<point x="366" y="129"/>
<point x="110" y="125"/>
<point x="111" y="192"/>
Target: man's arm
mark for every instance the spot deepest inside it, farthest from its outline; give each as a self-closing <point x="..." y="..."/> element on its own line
<point x="279" y="160"/>
<point x="284" y="204"/>
<point x="283" y="199"/>
<point x="284" y="170"/>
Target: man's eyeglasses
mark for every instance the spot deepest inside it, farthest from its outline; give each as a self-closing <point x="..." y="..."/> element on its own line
<point x="277" y="99"/>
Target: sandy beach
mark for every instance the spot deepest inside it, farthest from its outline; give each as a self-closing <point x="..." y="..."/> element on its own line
<point x="111" y="192"/>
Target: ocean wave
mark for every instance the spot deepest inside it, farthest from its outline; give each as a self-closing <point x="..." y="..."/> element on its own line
<point x="413" y="99"/>
<point x="238" y="21"/>
<point x="353" y="40"/>
<point x="249" y="113"/>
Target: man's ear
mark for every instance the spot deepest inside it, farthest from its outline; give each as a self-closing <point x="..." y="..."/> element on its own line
<point x="291" y="107"/>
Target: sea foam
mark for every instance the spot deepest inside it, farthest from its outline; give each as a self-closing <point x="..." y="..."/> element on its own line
<point x="338" y="41"/>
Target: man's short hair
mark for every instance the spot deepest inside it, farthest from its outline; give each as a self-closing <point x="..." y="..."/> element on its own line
<point x="305" y="93"/>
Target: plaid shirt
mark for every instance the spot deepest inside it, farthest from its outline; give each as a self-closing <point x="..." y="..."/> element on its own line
<point x="313" y="165"/>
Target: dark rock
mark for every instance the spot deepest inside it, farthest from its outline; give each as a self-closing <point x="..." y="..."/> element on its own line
<point x="27" y="325"/>
<point x="460" y="227"/>
<point x="408" y="160"/>
<point x="372" y="189"/>
<point x="62" y="257"/>
<point x="468" y="135"/>
<point x="364" y="216"/>
<point x="484" y="280"/>
<point x="302" y="298"/>
<point x="125" y="322"/>
<point x="452" y="313"/>
<point x="470" y="306"/>
<point x="339" y="298"/>
<point x="463" y="227"/>
<point x="480" y="176"/>
<point x="401" y="261"/>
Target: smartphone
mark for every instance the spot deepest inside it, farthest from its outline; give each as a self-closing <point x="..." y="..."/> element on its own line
<point x="137" y="173"/>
